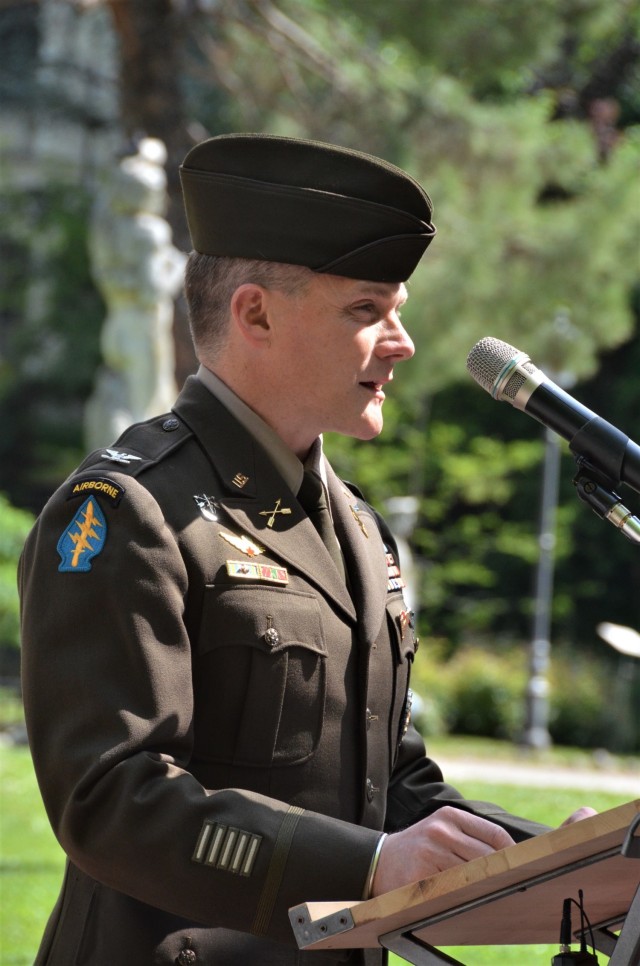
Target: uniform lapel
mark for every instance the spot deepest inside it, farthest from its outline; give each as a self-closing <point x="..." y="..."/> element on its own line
<point x="253" y="495"/>
<point x="364" y="554"/>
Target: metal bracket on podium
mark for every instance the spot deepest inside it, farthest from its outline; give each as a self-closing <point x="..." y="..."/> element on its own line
<point x="624" y="948"/>
<point x="408" y="946"/>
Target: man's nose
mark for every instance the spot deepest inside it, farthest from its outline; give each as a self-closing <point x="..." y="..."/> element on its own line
<point x="396" y="342"/>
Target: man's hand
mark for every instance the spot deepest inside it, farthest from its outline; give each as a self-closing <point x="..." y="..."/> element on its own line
<point x="446" y="838"/>
<point x="578" y="815"/>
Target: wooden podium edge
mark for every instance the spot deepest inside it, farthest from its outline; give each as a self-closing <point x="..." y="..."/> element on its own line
<point x="323" y="924"/>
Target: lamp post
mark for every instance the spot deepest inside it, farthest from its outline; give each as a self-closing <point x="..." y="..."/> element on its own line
<point x="562" y="335"/>
<point x="536" y="732"/>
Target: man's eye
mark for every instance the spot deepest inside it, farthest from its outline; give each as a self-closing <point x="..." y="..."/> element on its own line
<point x="367" y="309"/>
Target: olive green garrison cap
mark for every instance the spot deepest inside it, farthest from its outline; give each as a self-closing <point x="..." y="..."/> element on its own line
<point x="280" y="199"/>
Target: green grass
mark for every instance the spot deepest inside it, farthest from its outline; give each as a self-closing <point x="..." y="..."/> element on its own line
<point x="32" y="862"/>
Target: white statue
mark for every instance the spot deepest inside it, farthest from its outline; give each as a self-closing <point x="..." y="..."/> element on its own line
<point x="138" y="271"/>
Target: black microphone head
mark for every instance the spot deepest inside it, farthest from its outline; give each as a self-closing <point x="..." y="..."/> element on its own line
<point x="488" y="358"/>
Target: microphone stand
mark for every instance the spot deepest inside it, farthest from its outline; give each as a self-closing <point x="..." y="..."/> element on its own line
<point x="596" y="490"/>
<point x="606" y="458"/>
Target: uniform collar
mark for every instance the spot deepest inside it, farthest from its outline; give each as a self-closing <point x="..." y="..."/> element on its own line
<point x="284" y="459"/>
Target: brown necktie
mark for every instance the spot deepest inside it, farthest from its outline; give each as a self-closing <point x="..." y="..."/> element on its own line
<point x="312" y="498"/>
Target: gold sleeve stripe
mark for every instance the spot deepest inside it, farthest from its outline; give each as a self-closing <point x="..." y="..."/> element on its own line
<point x="276" y="871"/>
<point x="226" y="848"/>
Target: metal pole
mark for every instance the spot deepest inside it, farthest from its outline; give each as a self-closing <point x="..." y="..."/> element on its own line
<point x="536" y="733"/>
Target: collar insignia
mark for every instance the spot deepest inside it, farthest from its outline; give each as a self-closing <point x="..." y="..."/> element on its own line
<point x="117" y="457"/>
<point x="240" y="480"/>
<point x="272" y="513"/>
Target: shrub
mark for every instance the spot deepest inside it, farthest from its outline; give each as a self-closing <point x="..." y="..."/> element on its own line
<point x="476" y="692"/>
<point x="485" y="693"/>
<point x="589" y="707"/>
<point x="14" y="527"/>
<point x="481" y="692"/>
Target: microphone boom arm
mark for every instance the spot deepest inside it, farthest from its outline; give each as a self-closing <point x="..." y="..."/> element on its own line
<point x="605" y="502"/>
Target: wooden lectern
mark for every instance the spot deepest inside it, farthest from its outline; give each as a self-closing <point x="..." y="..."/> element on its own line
<point x="514" y="896"/>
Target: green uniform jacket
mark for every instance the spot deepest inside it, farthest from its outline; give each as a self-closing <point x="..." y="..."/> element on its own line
<point x="216" y="723"/>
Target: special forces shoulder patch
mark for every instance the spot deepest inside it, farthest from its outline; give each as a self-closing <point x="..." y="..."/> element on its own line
<point x="83" y="539"/>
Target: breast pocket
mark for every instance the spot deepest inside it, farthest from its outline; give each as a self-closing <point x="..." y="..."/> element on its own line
<point x="260" y="676"/>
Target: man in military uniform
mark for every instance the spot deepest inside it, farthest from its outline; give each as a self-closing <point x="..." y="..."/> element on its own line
<point x="216" y="644"/>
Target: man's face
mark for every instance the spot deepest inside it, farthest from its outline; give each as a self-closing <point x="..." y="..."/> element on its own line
<point x="335" y="346"/>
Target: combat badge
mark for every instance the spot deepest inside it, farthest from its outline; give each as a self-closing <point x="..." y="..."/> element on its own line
<point x="207" y="506"/>
<point x="83" y="539"/>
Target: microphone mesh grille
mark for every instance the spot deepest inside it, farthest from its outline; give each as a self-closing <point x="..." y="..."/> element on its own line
<point x="514" y="385"/>
<point x="487" y="359"/>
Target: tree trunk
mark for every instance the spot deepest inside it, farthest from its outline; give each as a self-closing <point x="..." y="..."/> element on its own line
<point x="152" y="37"/>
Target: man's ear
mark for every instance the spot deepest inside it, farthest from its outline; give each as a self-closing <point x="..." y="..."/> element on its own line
<point x="249" y="313"/>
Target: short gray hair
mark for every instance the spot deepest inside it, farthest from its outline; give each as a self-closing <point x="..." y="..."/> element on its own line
<point x="211" y="280"/>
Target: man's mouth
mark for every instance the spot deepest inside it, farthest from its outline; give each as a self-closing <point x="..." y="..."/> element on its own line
<point x="374" y="387"/>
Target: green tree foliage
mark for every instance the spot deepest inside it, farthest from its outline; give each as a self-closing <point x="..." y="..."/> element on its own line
<point x="522" y="121"/>
<point x="50" y="350"/>
<point x="14" y="527"/>
<point x="492" y="106"/>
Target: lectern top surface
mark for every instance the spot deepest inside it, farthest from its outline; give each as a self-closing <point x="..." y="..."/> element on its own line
<point x="510" y="897"/>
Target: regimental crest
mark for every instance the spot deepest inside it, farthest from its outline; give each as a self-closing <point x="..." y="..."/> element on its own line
<point x="405" y="620"/>
<point x="83" y="539"/>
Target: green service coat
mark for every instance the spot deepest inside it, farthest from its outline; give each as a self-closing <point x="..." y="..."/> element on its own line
<point x="216" y="722"/>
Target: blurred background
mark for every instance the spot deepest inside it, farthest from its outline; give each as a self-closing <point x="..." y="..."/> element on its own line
<point x="522" y="120"/>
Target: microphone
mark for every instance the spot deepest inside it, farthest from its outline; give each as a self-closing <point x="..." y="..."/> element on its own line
<point x="509" y="375"/>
